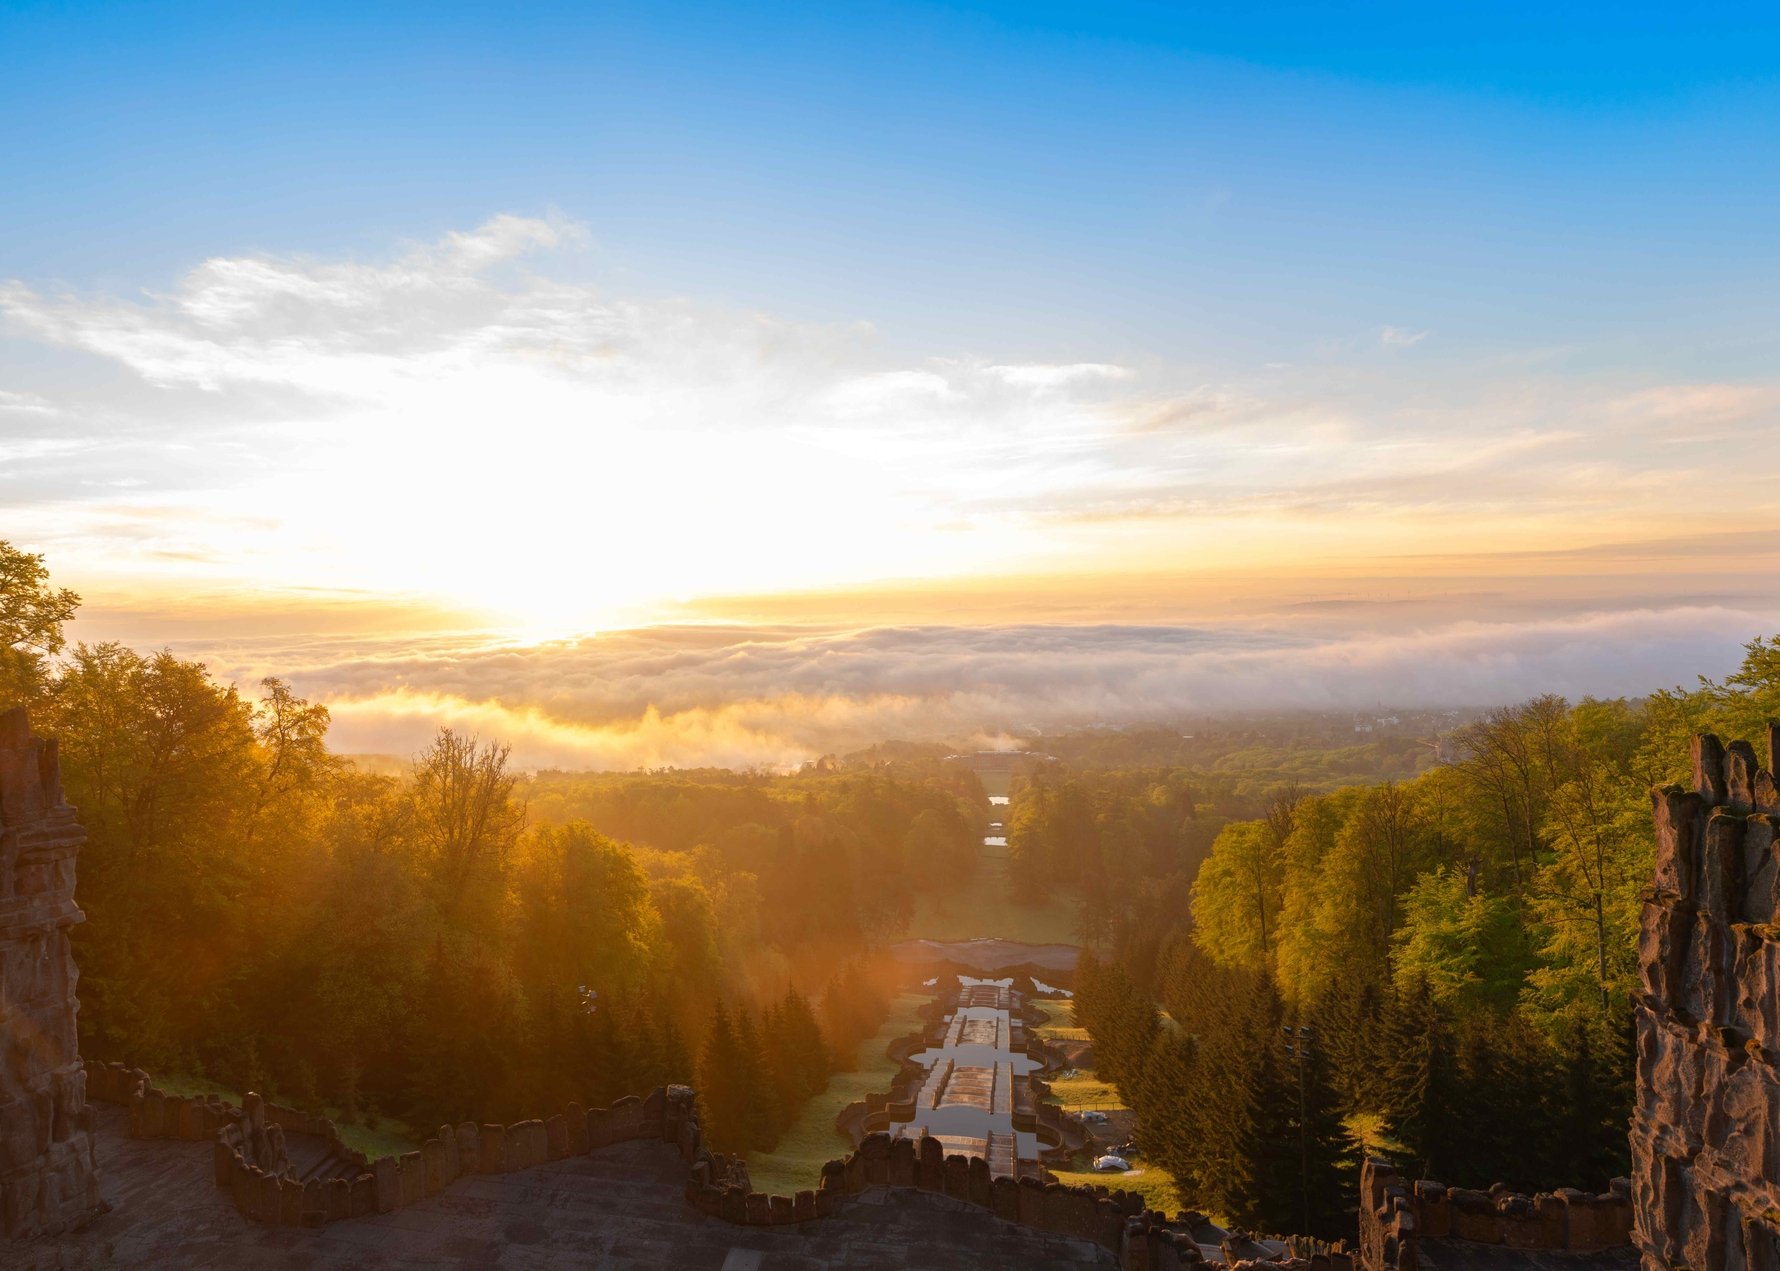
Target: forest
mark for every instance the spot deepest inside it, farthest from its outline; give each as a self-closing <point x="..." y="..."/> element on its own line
<point x="1438" y="968"/>
<point x="1415" y="949"/>
<point x="456" y="940"/>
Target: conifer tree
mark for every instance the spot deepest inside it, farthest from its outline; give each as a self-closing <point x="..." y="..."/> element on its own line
<point x="723" y="1093"/>
<point x="1163" y="1090"/>
<point x="643" y="1050"/>
<point x="676" y="1062"/>
<point x="759" y="1103"/>
<point x="1422" y="1091"/>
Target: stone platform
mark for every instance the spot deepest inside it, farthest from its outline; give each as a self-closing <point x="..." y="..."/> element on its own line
<point x="621" y="1209"/>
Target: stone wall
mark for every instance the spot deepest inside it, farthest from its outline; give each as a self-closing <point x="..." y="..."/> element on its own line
<point x="1115" y="1220"/>
<point x="253" y="1162"/>
<point x="48" y="1175"/>
<point x="1706" y="1131"/>
<point x="1394" y="1216"/>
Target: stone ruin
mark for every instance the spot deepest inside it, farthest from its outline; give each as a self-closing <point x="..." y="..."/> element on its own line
<point x="48" y="1178"/>
<point x="1706" y="1132"/>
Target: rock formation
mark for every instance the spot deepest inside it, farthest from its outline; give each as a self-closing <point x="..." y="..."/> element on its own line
<point x="1706" y="1132"/>
<point x="48" y="1182"/>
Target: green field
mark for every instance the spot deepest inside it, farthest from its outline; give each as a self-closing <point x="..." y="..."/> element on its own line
<point x="981" y="907"/>
<point x="812" y="1139"/>
<point x="1059" y="1023"/>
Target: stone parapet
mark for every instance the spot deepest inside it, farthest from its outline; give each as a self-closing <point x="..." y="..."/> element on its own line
<point x="1394" y="1215"/>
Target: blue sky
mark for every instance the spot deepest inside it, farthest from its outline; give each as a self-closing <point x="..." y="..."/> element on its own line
<point x="1257" y="181"/>
<point x="1388" y="348"/>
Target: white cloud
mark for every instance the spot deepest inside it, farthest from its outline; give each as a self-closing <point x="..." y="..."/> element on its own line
<point x="24" y="404"/>
<point x="1400" y="337"/>
<point x="1043" y="375"/>
<point x="291" y="411"/>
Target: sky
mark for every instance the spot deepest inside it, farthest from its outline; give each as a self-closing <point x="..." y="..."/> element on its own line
<point x="728" y="383"/>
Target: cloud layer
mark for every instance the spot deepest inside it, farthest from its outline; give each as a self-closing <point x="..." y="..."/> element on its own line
<point x="478" y="419"/>
<point x="690" y="696"/>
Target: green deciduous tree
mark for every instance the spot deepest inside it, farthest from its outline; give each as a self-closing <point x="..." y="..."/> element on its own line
<point x="32" y="615"/>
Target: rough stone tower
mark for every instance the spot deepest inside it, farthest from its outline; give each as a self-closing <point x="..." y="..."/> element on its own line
<point x="48" y="1181"/>
<point x="1706" y="1132"/>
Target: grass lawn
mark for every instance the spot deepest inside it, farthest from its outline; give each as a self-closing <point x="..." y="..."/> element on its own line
<point x="812" y="1139"/>
<point x="1085" y="1092"/>
<point x="982" y="907"/>
<point x="1156" y="1186"/>
<point x="390" y="1138"/>
<point x="1060" y="1022"/>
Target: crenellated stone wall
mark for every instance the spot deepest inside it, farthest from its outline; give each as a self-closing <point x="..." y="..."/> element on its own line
<point x="1706" y="1131"/>
<point x="48" y="1177"/>
<point x="1396" y="1216"/>
<point x="1117" y="1221"/>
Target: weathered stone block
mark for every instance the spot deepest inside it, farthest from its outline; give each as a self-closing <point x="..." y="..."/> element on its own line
<point x="386" y="1183"/>
<point x="469" y="1148"/>
<point x="803" y="1206"/>
<point x="833" y="1177"/>
<point x="930" y="1171"/>
<point x="1109" y="1221"/>
<point x="556" y="1136"/>
<point x="315" y="1202"/>
<point x="153" y="1116"/>
<point x="1740" y="767"/>
<point x="759" y="1209"/>
<point x="339" y="1197"/>
<point x="1474" y="1216"/>
<point x="492" y="1142"/>
<point x="1032" y="1202"/>
<point x="902" y="1163"/>
<point x="874" y="1151"/>
<point x="432" y="1155"/>
<point x="575" y="1118"/>
<point x="270" y="1205"/>
<point x="413" y="1186"/>
<point x="958" y="1176"/>
<point x="290" y="1202"/>
<point x="599" y="1128"/>
<point x="1678" y="815"/>
<point x="780" y="1210"/>
<point x="978" y="1181"/>
<point x="1004" y="1199"/>
<point x="627" y="1119"/>
<point x="528" y="1145"/>
<point x="1708" y="769"/>
<point x="1721" y="867"/>
<point x="364" y="1196"/>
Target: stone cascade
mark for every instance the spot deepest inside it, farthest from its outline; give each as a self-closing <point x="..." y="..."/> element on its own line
<point x="1706" y="1131"/>
<point x="1395" y="1217"/>
<point x="48" y="1175"/>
